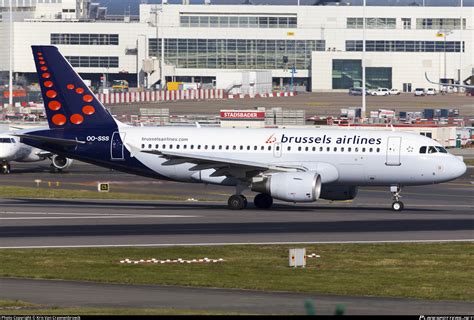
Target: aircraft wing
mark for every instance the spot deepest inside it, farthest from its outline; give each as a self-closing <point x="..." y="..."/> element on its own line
<point x="221" y="165"/>
<point x="59" y="141"/>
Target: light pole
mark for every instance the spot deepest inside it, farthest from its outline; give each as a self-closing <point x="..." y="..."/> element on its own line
<point x="160" y="34"/>
<point x="364" y="102"/>
<point x="10" y="74"/>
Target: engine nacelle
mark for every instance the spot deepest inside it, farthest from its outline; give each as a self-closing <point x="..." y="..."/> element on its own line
<point x="338" y="192"/>
<point x="290" y="186"/>
<point x="60" y="162"/>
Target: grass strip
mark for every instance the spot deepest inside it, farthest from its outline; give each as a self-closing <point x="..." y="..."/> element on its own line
<point x="24" y="192"/>
<point x="438" y="271"/>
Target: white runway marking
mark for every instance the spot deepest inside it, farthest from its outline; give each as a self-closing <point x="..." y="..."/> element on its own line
<point x="234" y="243"/>
<point x="99" y="217"/>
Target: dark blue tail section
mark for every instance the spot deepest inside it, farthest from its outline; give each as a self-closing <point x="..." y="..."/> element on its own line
<point x="69" y="103"/>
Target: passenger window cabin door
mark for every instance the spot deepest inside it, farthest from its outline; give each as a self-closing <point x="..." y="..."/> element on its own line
<point x="393" y="151"/>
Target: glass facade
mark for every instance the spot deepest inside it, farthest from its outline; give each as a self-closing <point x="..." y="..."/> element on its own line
<point x="372" y="23"/>
<point x="404" y="46"/>
<point x="440" y="23"/>
<point x="348" y="73"/>
<point x="84" y="39"/>
<point x="237" y="21"/>
<point x="237" y="53"/>
<point x="93" y="62"/>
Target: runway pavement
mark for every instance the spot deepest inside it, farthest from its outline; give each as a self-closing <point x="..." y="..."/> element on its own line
<point x="433" y="213"/>
<point x="84" y="294"/>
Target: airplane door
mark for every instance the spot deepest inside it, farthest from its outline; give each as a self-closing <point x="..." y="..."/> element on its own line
<point x="116" y="146"/>
<point x="277" y="149"/>
<point x="393" y="151"/>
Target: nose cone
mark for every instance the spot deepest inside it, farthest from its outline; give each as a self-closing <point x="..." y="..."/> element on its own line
<point x="457" y="168"/>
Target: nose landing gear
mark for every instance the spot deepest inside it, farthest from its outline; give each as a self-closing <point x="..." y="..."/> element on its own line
<point x="397" y="205"/>
<point x="5" y="168"/>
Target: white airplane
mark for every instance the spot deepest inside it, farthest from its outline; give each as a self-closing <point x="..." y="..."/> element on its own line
<point x="466" y="86"/>
<point x="11" y="149"/>
<point x="294" y="165"/>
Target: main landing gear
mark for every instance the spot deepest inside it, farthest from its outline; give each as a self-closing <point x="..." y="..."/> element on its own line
<point x="5" y="167"/>
<point x="239" y="202"/>
<point x="397" y="205"/>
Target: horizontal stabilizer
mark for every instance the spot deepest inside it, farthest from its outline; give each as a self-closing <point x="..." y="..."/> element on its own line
<point x="58" y="141"/>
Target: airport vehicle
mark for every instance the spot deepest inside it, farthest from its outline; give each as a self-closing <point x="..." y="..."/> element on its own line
<point x="419" y="92"/>
<point x="356" y="91"/>
<point x="394" y="92"/>
<point x="120" y="85"/>
<point x="430" y="92"/>
<point x="294" y="165"/>
<point x="381" y="92"/>
<point x="11" y="149"/>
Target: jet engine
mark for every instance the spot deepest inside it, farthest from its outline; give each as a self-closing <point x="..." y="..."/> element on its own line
<point x="60" y="162"/>
<point x="289" y="186"/>
<point x="338" y="192"/>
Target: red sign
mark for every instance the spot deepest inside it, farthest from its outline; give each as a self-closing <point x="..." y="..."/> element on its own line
<point x="242" y="114"/>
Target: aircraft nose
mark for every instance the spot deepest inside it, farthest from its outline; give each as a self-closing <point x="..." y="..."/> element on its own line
<point x="457" y="168"/>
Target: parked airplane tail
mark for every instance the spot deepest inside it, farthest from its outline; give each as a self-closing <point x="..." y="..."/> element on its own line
<point x="69" y="103"/>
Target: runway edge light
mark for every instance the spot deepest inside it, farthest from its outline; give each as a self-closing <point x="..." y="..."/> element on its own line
<point x="103" y="187"/>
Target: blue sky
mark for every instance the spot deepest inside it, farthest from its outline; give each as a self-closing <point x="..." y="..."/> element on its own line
<point x="119" y="6"/>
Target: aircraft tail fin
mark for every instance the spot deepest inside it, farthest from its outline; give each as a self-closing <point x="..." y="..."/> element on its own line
<point x="68" y="102"/>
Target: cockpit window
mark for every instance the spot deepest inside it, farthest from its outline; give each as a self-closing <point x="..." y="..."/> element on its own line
<point x="6" y="140"/>
<point x="423" y="149"/>
<point x="441" y="149"/>
<point x="432" y="149"/>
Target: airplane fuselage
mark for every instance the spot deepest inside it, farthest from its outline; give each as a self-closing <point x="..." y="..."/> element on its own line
<point x="342" y="157"/>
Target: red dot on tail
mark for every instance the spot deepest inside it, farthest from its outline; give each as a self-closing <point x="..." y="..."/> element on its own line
<point x="77" y="118"/>
<point x="70" y="86"/>
<point x="79" y="90"/>
<point x="51" y="94"/>
<point x="42" y="62"/>
<point x="88" y="98"/>
<point x="48" y="84"/>
<point x="46" y="75"/>
<point x="59" y="119"/>
<point x="54" y="105"/>
<point x="88" y="110"/>
<point x="44" y="68"/>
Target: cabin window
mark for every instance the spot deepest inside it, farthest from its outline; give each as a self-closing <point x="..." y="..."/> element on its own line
<point x="262" y="148"/>
<point x="356" y="149"/>
<point x="335" y="149"/>
<point x="371" y="149"/>
<point x="328" y="149"/>
<point x="192" y="147"/>
<point x="241" y="147"/>
<point x="342" y="149"/>
<point x="171" y="146"/>
<point x="378" y="149"/>
<point x="213" y="147"/>
<point x="143" y="146"/>
<point x="269" y="148"/>
<point x="227" y="147"/>
<point x="234" y="147"/>
<point x="220" y="147"/>
<point x="306" y="149"/>
<point x="199" y="146"/>
<point x="363" y="149"/>
<point x="299" y="148"/>
<point x="177" y="147"/>
<point x="314" y="149"/>
<point x="149" y="146"/>
<point x="248" y="147"/>
<point x="349" y="149"/>
<point x="185" y="146"/>
<point x="277" y="148"/>
<point x="321" y="149"/>
<point x="255" y="148"/>
<point x="164" y="146"/>
<point x="289" y="148"/>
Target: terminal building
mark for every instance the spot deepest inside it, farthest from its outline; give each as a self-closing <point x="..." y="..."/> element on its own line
<point x="314" y="48"/>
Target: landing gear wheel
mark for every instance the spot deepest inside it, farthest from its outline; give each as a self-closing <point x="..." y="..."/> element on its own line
<point x="5" y="168"/>
<point x="237" y="202"/>
<point x="397" y="206"/>
<point x="263" y="201"/>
